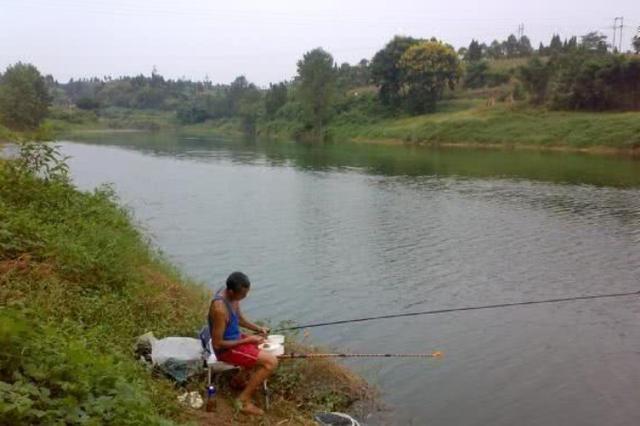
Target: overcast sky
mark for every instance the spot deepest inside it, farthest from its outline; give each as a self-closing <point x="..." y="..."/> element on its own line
<point x="263" y="39"/>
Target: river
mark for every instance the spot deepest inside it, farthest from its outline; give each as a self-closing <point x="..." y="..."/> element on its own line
<point x="342" y="231"/>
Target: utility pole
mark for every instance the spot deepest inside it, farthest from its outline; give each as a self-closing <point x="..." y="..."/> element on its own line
<point x="617" y="27"/>
<point x="520" y="31"/>
<point x="621" y="28"/>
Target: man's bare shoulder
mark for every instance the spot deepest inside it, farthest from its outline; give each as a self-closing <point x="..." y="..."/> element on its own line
<point x="218" y="307"/>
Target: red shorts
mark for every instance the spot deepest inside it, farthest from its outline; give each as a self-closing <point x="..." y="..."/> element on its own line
<point x="245" y="355"/>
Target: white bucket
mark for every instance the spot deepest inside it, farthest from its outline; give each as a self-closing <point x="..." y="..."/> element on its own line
<point x="275" y="339"/>
<point x="272" y="348"/>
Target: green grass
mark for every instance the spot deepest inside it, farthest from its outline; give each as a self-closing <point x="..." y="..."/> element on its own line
<point x="65" y="120"/>
<point x="508" y="64"/>
<point x="78" y="284"/>
<point x="45" y="132"/>
<point x="224" y="126"/>
<point x="504" y="125"/>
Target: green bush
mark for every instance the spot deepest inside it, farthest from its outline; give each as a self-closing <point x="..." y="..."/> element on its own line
<point x="85" y="237"/>
<point x="588" y="81"/>
<point x="82" y="283"/>
<point x="47" y="377"/>
<point x="73" y="115"/>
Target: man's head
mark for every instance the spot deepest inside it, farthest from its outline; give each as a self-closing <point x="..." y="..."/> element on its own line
<point x="238" y="285"/>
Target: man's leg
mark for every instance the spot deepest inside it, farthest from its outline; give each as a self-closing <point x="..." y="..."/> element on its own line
<point x="239" y="380"/>
<point x="265" y="366"/>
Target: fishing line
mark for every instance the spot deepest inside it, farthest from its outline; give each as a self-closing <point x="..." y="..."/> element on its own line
<point x="467" y="308"/>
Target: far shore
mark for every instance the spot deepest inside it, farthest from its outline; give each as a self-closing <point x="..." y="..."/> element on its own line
<point x="595" y="150"/>
<point x="212" y="129"/>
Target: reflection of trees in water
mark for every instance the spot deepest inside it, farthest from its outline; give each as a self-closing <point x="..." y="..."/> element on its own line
<point x="389" y="160"/>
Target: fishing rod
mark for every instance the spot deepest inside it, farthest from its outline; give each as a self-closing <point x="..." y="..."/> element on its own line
<point x="294" y="355"/>
<point x="466" y="308"/>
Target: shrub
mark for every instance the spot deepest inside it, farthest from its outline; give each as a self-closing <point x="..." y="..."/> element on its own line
<point x="597" y="82"/>
<point x="88" y="103"/>
<point x="24" y="98"/>
<point x="47" y="377"/>
<point x="535" y="77"/>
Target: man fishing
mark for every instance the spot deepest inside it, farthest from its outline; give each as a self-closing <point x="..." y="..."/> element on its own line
<point x="233" y="347"/>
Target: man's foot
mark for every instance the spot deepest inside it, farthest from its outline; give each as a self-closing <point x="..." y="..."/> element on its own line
<point x="247" y="407"/>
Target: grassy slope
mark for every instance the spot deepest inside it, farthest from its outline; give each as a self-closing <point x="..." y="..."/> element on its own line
<point x="78" y="283"/>
<point x="64" y="120"/>
<point x="463" y="121"/>
<point x="504" y="125"/>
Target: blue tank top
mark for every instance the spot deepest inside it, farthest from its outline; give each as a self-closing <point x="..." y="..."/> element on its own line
<point x="232" y="330"/>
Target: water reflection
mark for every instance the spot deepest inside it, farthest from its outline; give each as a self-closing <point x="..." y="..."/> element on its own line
<point x="390" y="160"/>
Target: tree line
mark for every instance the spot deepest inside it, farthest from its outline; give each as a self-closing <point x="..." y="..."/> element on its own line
<point x="407" y="76"/>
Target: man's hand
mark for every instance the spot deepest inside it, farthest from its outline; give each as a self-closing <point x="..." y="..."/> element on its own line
<point x="263" y="331"/>
<point x="256" y="340"/>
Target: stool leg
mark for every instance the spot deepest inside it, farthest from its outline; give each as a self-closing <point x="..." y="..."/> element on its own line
<point x="266" y="394"/>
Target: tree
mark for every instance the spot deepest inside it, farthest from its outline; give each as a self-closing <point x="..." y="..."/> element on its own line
<point x="24" y="99"/>
<point x="429" y="67"/>
<point x="317" y="78"/>
<point x="535" y="77"/>
<point x="524" y="47"/>
<point x="275" y="98"/>
<point x="495" y="50"/>
<point x="474" y="53"/>
<point x="249" y="109"/>
<point x="237" y="89"/>
<point x="193" y="112"/>
<point x="87" y="103"/>
<point x="511" y="46"/>
<point x="555" y="47"/>
<point x="636" y="42"/>
<point x="595" y="42"/>
<point x="597" y="82"/>
<point x="542" y="51"/>
<point x="386" y="72"/>
<point x="476" y="75"/>
<point x="571" y="44"/>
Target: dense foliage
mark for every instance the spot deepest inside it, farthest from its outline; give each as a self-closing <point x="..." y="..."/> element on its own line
<point x="77" y="284"/>
<point x="317" y="85"/>
<point x="386" y="72"/>
<point x="585" y="79"/>
<point x="24" y="98"/>
<point x="429" y="67"/>
<point x="50" y="377"/>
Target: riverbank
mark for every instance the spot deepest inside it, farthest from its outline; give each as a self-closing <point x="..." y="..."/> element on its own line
<point x="470" y="123"/>
<point x="503" y="126"/>
<point x="459" y="123"/>
<point x="78" y="283"/>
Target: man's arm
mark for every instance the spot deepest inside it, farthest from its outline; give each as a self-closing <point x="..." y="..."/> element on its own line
<point x="218" y="314"/>
<point x="244" y="322"/>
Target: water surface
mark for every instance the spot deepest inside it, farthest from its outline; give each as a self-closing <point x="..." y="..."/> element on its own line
<point x="339" y="231"/>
